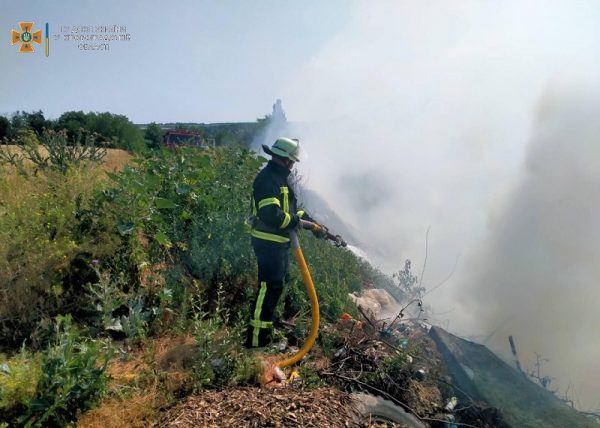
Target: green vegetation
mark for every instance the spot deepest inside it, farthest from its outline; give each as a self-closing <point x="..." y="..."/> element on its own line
<point x="109" y="130"/>
<point x="50" y="388"/>
<point x="153" y="135"/>
<point x="219" y="359"/>
<point x="117" y="131"/>
<point x="335" y="272"/>
<point x="43" y="254"/>
<point x="114" y="130"/>
<point x="19" y="377"/>
<point x="157" y="249"/>
<point x="224" y="134"/>
<point x="408" y="282"/>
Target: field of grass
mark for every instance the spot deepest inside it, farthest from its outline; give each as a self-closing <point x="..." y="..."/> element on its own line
<point x="115" y="159"/>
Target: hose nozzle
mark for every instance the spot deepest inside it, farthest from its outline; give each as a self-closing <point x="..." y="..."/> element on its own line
<point x="336" y="239"/>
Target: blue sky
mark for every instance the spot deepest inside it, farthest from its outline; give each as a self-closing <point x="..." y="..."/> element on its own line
<point x="202" y="61"/>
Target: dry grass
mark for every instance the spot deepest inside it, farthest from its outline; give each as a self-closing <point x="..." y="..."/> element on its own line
<point x="115" y="159"/>
<point x="163" y="345"/>
<point x="139" y="410"/>
<point x="139" y="387"/>
<point x="141" y="362"/>
<point x="36" y="240"/>
<point x="36" y="243"/>
<point x="18" y="187"/>
<point x="124" y="372"/>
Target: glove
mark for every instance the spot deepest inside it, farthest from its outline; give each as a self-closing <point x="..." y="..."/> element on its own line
<point x="298" y="217"/>
<point x="320" y="232"/>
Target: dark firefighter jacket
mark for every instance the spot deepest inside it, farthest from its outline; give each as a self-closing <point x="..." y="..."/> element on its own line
<point x="274" y="205"/>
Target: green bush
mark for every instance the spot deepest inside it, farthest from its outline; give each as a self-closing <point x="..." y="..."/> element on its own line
<point x="51" y="388"/>
<point x="19" y="376"/>
<point x="335" y="273"/>
<point x="106" y="298"/>
<point x="113" y="130"/>
<point x="190" y="206"/>
<point x="153" y="136"/>
<point x="220" y="359"/>
<point x="391" y="375"/>
<point x="73" y="378"/>
<point x="185" y="209"/>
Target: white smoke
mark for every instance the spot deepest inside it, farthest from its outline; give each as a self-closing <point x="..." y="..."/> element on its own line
<point x="536" y="274"/>
<point x="419" y="115"/>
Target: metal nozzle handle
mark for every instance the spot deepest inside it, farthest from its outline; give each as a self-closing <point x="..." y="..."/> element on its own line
<point x="337" y="239"/>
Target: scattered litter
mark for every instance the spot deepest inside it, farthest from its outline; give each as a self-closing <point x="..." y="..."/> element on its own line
<point x="419" y="374"/>
<point x="272" y="376"/>
<point x="294" y="376"/>
<point x="451" y="404"/>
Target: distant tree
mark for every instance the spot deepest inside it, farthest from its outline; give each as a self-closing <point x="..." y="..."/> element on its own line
<point x="117" y="130"/>
<point x="224" y="138"/>
<point x="36" y="121"/>
<point x="17" y="121"/>
<point x="183" y="127"/>
<point x="4" y="128"/>
<point x="23" y="120"/>
<point x="154" y="136"/>
<point x="111" y="130"/>
<point x="73" y="122"/>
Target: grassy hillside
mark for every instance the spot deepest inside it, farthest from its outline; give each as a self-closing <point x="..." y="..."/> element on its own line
<point x="133" y="250"/>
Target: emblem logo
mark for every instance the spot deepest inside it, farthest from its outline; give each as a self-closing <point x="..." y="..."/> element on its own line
<point x="26" y="37"/>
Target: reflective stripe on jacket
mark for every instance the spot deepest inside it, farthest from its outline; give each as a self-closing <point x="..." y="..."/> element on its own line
<point x="273" y="205"/>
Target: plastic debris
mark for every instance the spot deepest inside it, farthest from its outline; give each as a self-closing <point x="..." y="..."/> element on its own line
<point x="420" y="374"/>
<point x="294" y="376"/>
<point x="272" y="376"/>
<point x="451" y="404"/>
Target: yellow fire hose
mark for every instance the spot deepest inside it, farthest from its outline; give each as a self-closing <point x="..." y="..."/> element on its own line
<point x="312" y="294"/>
<point x="272" y="375"/>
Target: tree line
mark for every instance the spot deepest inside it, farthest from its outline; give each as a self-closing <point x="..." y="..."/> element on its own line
<point x="110" y="130"/>
<point x="117" y="131"/>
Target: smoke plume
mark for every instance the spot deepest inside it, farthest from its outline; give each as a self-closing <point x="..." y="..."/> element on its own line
<point x="448" y="115"/>
<point x="536" y="275"/>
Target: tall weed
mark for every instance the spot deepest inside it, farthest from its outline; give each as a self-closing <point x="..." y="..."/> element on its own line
<point x="38" y="245"/>
<point x="73" y="378"/>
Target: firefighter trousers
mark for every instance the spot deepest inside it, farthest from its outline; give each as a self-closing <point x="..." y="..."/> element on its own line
<point x="273" y="260"/>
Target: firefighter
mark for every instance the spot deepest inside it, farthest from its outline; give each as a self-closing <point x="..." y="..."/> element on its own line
<point x="274" y="216"/>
